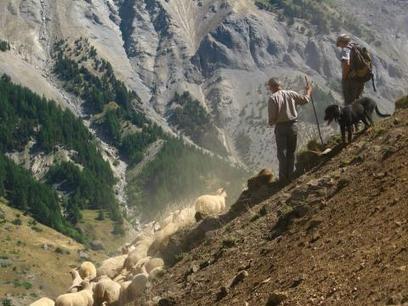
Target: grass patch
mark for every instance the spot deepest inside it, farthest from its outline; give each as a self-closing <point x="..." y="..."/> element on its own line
<point x="180" y="256"/>
<point x="402" y="103"/>
<point x="118" y="229"/>
<point x="36" y="229"/>
<point x="6" y="302"/>
<point x="62" y="251"/>
<point x="24" y="284"/>
<point x="5" y="263"/>
<point x="379" y="130"/>
<point x="32" y="222"/>
<point x="4" y="45"/>
<point x="284" y="209"/>
<point x="17" y="221"/>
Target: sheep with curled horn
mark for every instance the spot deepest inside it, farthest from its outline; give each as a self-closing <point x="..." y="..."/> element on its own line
<point x="76" y="280"/>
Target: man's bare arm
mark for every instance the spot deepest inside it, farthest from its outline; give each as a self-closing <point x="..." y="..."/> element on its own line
<point x="272" y="112"/>
<point x="308" y="88"/>
<point x="345" y="68"/>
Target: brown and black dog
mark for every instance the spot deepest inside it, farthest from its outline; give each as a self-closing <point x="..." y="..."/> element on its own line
<point x="360" y="110"/>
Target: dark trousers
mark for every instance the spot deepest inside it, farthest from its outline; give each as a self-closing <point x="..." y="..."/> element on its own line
<point x="286" y="141"/>
<point x="352" y="90"/>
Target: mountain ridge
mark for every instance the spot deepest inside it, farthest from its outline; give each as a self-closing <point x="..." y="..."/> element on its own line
<point x="175" y="63"/>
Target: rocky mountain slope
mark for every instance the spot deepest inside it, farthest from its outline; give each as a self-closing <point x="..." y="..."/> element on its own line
<point x="335" y="236"/>
<point x="135" y="71"/>
<point x="219" y="51"/>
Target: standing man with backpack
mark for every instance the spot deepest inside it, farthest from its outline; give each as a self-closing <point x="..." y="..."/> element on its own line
<point x="282" y="110"/>
<point x="356" y="67"/>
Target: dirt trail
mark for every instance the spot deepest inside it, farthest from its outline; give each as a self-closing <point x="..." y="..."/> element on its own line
<point x="336" y="236"/>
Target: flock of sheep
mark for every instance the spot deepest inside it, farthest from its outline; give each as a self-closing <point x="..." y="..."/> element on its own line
<point x="122" y="279"/>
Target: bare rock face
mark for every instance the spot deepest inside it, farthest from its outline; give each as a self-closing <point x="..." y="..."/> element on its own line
<point x="221" y="51"/>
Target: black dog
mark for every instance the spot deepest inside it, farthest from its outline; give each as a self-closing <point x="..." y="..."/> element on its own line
<point x="360" y="110"/>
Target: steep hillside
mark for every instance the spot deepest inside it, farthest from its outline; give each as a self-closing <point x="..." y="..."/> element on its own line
<point x="34" y="259"/>
<point x="130" y="109"/>
<point x="59" y="151"/>
<point x="335" y="236"/>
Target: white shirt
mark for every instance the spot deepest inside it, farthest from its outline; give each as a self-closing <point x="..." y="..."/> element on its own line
<point x="282" y="106"/>
<point x="345" y="53"/>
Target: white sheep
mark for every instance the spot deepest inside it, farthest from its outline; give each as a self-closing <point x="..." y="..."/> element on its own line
<point x="107" y="291"/>
<point x="148" y="230"/>
<point x="76" y="280"/>
<point x="156" y="273"/>
<point x="121" y="277"/>
<point x="112" y="266"/>
<point x="127" y="248"/>
<point x="184" y="217"/>
<point x="166" y="221"/>
<point x="134" y="289"/>
<point x="152" y="264"/>
<point x="156" y="226"/>
<point x="161" y="237"/>
<point x="211" y="204"/>
<point x="99" y="278"/>
<point x="124" y="286"/>
<point x="146" y="234"/>
<point x="80" y="298"/>
<point x="43" y="302"/>
<point x="140" y="251"/>
<point x="123" y="293"/>
<point x="87" y="270"/>
<point x="139" y="267"/>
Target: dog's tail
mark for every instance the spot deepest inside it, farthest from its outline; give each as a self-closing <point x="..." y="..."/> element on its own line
<point x="381" y="114"/>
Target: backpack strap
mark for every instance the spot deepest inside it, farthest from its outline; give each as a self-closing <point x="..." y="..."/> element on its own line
<point x="372" y="80"/>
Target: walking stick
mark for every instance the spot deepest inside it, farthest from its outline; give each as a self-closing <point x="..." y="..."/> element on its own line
<point x="317" y="121"/>
<point x="315" y="113"/>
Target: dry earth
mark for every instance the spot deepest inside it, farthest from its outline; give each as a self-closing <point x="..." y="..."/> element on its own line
<point x="336" y="236"/>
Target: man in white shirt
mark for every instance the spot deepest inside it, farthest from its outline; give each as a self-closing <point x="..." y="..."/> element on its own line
<point x="352" y="87"/>
<point x="283" y="115"/>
